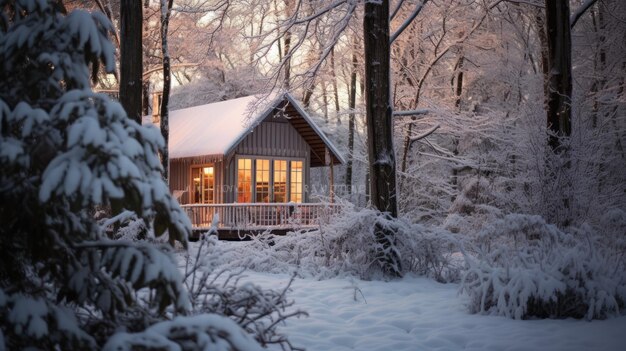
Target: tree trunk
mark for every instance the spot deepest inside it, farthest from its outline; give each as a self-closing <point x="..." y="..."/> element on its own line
<point x="458" y="91"/>
<point x="540" y="22"/>
<point x="351" y="122"/>
<point x="378" y="109"/>
<point x="166" y="7"/>
<point x="334" y="82"/>
<point x="406" y="147"/>
<point x="382" y="163"/>
<point x="599" y="62"/>
<point x="459" y="82"/>
<point x="131" y="60"/>
<point x="559" y="70"/>
<point x="145" y="98"/>
<point x="325" y="101"/>
<point x="286" y="55"/>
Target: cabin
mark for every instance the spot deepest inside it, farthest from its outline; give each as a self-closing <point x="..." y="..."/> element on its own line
<point x="248" y="161"/>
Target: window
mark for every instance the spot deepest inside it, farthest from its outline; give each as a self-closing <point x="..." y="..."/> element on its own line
<point x="280" y="181"/>
<point x="262" y="180"/>
<point x="296" y="181"/>
<point x="203" y="185"/>
<point x="244" y="180"/>
<point x="269" y="180"/>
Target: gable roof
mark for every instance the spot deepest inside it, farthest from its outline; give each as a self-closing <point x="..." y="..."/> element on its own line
<point x="216" y="129"/>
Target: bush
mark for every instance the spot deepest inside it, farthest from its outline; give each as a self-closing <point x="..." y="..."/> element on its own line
<point x="348" y="245"/>
<point x="217" y="290"/>
<point x="65" y="154"/>
<point x="523" y="267"/>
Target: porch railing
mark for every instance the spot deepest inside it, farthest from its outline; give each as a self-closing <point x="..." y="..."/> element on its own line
<point x="259" y="216"/>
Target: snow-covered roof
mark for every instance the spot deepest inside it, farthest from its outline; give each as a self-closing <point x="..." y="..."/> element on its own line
<point x="217" y="128"/>
<point x="210" y="129"/>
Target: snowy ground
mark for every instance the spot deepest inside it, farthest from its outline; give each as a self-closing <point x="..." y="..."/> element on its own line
<point x="420" y="314"/>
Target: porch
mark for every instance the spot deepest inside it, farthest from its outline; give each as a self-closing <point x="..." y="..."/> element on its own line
<point x="237" y="219"/>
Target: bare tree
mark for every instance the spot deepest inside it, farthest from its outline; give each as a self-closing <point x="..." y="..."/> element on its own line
<point x="166" y="8"/>
<point x="560" y="70"/>
<point x="351" y="115"/>
<point x="131" y="66"/>
<point x="379" y="126"/>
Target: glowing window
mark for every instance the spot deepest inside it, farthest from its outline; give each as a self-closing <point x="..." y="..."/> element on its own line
<point x="203" y="185"/>
<point x="296" y="176"/>
<point x="244" y="180"/>
<point x="262" y="180"/>
<point x="280" y="181"/>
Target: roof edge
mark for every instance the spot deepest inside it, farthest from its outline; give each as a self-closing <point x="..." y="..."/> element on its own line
<point x="255" y="122"/>
<point x="271" y="107"/>
<point x="318" y="131"/>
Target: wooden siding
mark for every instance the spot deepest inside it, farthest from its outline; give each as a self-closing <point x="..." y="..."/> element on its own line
<point x="179" y="180"/>
<point x="230" y="176"/>
<point x="276" y="139"/>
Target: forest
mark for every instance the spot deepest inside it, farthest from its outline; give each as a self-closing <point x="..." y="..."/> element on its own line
<point x="481" y="205"/>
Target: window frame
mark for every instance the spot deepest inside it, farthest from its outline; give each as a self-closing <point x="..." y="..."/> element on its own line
<point x="302" y="182"/>
<point x="252" y="179"/>
<point x="287" y="180"/>
<point x="270" y="180"/>
<point x="191" y="184"/>
<point x="253" y="159"/>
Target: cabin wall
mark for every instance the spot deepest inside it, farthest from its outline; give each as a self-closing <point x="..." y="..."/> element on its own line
<point x="230" y="179"/>
<point x="180" y="175"/>
<point x="273" y="139"/>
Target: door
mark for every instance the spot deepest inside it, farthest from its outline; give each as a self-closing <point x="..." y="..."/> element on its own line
<point x="203" y="185"/>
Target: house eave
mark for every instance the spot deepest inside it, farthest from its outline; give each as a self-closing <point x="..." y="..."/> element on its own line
<point x="331" y="147"/>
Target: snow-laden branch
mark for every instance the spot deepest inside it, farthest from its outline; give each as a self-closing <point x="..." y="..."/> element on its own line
<point x="530" y="3"/>
<point x="580" y="11"/>
<point x="426" y="133"/>
<point x="147" y="73"/>
<point x="410" y="113"/>
<point x="345" y="8"/>
<point x="395" y="10"/>
<point x="409" y="20"/>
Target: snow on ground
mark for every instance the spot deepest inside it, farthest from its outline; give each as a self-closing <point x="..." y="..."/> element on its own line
<point x="417" y="313"/>
<point x="420" y="314"/>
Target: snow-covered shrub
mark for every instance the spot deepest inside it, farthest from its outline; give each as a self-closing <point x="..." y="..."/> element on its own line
<point x="348" y="245"/>
<point x="523" y="267"/>
<point x="200" y="332"/>
<point x="66" y="152"/>
<point x="218" y="290"/>
<point x="472" y="208"/>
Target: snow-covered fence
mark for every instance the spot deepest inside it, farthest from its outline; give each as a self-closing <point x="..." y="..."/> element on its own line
<point x="260" y="215"/>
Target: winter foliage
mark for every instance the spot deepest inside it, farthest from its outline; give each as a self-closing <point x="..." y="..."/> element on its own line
<point x="93" y="245"/>
<point x="346" y="245"/>
<point x="202" y="332"/>
<point x="215" y="288"/>
<point x="524" y="267"/>
<point x="67" y="155"/>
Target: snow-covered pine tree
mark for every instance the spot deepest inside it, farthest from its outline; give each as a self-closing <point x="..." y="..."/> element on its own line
<point x="63" y="151"/>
